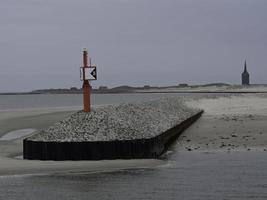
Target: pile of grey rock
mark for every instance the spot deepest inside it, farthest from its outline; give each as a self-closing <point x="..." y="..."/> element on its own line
<point x="119" y="122"/>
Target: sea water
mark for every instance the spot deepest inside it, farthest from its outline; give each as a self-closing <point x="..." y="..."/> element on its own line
<point x="13" y="102"/>
<point x="190" y="175"/>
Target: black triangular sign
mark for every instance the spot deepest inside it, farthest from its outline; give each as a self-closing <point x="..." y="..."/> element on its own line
<point x="93" y="73"/>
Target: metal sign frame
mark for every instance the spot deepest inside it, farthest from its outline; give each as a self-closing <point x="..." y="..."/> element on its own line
<point x="88" y="73"/>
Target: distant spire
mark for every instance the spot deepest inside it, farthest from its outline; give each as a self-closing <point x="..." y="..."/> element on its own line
<point x="245" y="75"/>
<point x="245" y="66"/>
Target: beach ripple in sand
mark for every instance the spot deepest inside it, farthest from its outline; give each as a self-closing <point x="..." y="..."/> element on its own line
<point x="17" y="134"/>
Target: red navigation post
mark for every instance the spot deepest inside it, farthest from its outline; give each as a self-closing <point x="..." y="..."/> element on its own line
<point x="87" y="73"/>
<point x="86" y="85"/>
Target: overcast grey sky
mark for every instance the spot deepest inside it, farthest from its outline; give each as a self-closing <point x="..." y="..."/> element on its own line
<point x="132" y="42"/>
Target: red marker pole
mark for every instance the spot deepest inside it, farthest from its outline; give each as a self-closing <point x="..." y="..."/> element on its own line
<point x="86" y="85"/>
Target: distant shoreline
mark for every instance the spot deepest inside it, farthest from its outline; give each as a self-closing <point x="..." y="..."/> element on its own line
<point x="145" y="92"/>
<point x="182" y="88"/>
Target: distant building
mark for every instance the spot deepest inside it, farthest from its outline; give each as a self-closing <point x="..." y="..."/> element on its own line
<point x="73" y="88"/>
<point x="146" y="87"/>
<point x="245" y="75"/>
<point x="183" y="85"/>
<point x="103" y="88"/>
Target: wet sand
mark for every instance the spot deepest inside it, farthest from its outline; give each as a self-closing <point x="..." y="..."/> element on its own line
<point x="226" y="134"/>
<point x="11" y="166"/>
<point x="33" y="118"/>
<point x="236" y="123"/>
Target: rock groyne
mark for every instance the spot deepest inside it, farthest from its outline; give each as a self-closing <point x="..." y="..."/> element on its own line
<point x="125" y="131"/>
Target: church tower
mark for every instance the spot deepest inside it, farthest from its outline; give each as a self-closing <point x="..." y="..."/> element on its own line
<point x="245" y="75"/>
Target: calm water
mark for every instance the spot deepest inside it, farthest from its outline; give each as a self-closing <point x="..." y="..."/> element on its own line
<point x="63" y="100"/>
<point x="9" y="102"/>
<point x="188" y="175"/>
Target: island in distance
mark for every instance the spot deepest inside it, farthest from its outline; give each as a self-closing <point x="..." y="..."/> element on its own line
<point x="180" y="88"/>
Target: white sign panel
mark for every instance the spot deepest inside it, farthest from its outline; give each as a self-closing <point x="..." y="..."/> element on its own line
<point x="89" y="73"/>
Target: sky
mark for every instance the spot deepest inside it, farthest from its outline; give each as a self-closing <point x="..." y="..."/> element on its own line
<point x="132" y="42"/>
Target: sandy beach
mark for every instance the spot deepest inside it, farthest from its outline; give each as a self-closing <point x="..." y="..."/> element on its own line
<point x="234" y="123"/>
<point x="230" y="123"/>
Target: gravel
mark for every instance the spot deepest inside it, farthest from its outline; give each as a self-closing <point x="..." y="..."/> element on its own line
<point x="119" y="122"/>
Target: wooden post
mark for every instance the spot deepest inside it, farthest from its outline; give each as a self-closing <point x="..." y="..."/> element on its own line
<point x="86" y="85"/>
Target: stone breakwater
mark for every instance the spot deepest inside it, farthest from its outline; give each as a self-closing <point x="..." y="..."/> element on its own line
<point x="119" y="122"/>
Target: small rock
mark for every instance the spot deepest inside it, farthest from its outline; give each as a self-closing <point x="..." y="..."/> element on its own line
<point x="224" y="138"/>
<point x="233" y="135"/>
